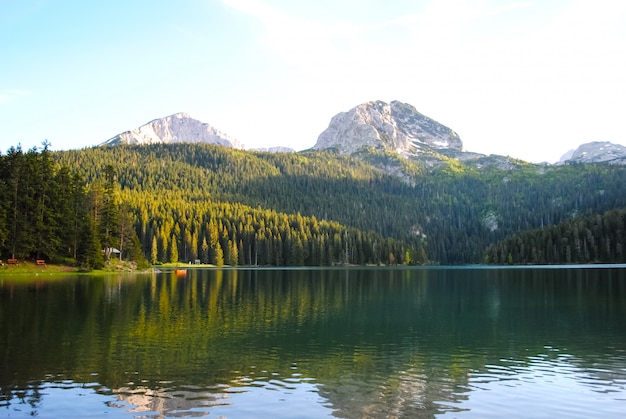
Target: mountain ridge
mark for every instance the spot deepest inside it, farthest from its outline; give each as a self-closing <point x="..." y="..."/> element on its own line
<point x="596" y="152"/>
<point x="177" y="128"/>
<point x="375" y="126"/>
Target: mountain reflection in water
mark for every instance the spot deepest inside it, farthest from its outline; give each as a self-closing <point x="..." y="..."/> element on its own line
<point x="316" y="343"/>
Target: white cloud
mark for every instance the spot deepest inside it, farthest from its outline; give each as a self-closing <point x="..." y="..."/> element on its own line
<point x="9" y="95"/>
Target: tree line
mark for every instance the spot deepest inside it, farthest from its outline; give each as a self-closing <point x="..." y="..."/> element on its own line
<point x="174" y="229"/>
<point x="51" y="212"/>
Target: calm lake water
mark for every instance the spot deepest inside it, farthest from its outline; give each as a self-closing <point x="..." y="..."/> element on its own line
<point x="346" y="343"/>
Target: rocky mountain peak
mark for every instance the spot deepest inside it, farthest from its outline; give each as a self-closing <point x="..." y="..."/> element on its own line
<point x="596" y="152"/>
<point x="177" y="128"/>
<point x="394" y="126"/>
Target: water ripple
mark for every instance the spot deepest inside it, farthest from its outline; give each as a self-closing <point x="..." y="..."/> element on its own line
<point x="497" y="390"/>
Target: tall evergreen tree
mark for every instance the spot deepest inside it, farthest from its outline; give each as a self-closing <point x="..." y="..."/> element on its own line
<point x="89" y="251"/>
<point x="173" y="250"/>
<point x="204" y="251"/>
<point x="154" y="251"/>
<point x="109" y="217"/>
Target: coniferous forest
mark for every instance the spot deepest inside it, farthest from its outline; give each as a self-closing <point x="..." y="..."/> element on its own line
<point x="591" y="239"/>
<point x="207" y="203"/>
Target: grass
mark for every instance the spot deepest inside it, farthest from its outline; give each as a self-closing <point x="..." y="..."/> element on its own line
<point x="30" y="268"/>
<point x="25" y="267"/>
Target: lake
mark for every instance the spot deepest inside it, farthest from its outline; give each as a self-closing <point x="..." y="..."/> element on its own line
<point x="309" y="343"/>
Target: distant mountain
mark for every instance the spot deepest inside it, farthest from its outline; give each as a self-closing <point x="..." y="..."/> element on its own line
<point x="364" y="131"/>
<point x="565" y="157"/>
<point x="391" y="126"/>
<point x="398" y="127"/>
<point x="596" y="152"/>
<point x="275" y="149"/>
<point x="177" y="128"/>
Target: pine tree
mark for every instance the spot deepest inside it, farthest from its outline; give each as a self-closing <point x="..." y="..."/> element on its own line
<point x="219" y="255"/>
<point x="154" y="251"/>
<point x="173" y="250"/>
<point x="134" y="251"/>
<point x="234" y="253"/>
<point x="109" y="221"/>
<point x="204" y="251"/>
<point x="90" y="249"/>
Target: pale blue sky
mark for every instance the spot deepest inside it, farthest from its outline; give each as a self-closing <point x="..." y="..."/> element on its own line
<point x="530" y="79"/>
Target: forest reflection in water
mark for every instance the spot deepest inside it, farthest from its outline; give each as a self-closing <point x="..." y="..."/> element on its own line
<point x="357" y="342"/>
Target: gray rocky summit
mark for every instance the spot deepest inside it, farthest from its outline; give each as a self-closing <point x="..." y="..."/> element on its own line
<point x="393" y="126"/>
<point x="596" y="152"/>
<point x="177" y="128"/>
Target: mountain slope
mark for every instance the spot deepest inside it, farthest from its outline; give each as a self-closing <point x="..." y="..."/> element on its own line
<point x="177" y="128"/>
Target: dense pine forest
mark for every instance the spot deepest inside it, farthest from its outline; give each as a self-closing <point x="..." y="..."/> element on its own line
<point x="80" y="215"/>
<point x="188" y="202"/>
<point x="48" y="212"/>
<point x="591" y="239"/>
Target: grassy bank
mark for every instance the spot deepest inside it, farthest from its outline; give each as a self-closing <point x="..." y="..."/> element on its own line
<point x="25" y="267"/>
<point x="31" y="268"/>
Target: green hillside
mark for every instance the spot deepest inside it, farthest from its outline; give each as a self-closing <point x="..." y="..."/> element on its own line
<point x="220" y="205"/>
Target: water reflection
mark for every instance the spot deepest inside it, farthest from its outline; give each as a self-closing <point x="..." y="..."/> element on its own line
<point x="346" y="343"/>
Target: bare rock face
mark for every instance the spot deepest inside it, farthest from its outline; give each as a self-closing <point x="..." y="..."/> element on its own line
<point x="177" y="128"/>
<point x="597" y="152"/>
<point x="395" y="126"/>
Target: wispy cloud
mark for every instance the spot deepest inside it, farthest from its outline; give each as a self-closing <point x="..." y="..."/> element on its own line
<point x="9" y="95"/>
